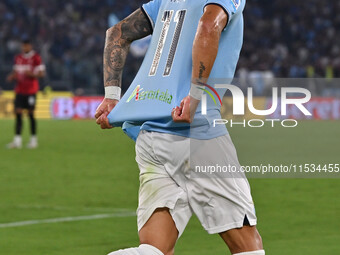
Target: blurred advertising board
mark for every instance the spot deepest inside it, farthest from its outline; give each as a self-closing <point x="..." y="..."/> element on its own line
<point x="74" y="107"/>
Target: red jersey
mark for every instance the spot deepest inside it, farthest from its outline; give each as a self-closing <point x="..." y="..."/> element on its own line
<point x="27" y="62"/>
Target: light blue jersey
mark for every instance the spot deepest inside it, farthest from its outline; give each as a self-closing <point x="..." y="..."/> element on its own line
<point x="164" y="78"/>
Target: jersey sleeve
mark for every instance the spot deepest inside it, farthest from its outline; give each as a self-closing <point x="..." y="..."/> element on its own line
<point x="151" y="10"/>
<point x="229" y="6"/>
<point x="38" y="64"/>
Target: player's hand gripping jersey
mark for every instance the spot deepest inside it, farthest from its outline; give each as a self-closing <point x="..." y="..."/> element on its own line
<point x="164" y="78"/>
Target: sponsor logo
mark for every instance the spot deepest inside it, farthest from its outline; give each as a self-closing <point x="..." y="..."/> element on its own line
<point x="139" y="94"/>
<point x="177" y="1"/>
<point x="236" y="3"/>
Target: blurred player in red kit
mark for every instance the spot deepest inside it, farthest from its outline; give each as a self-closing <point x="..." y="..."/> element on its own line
<point x="27" y="69"/>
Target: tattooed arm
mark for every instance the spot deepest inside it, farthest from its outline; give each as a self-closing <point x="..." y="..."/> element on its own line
<point x="204" y="53"/>
<point x="206" y="42"/>
<point x="117" y="45"/>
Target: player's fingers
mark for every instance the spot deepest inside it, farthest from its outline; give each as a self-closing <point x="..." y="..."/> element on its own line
<point x="99" y="112"/>
<point x="109" y="126"/>
<point x="181" y="115"/>
<point x="102" y="125"/>
<point x="176" y="118"/>
<point x="175" y="109"/>
<point x="106" y="113"/>
<point x="98" y="120"/>
<point x="105" y="123"/>
<point x="180" y="119"/>
<point x="182" y="105"/>
<point x="178" y="111"/>
<point x="175" y="114"/>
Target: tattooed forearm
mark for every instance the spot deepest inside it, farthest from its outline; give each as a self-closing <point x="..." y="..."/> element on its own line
<point x="202" y="72"/>
<point x="117" y="45"/>
<point x="202" y="69"/>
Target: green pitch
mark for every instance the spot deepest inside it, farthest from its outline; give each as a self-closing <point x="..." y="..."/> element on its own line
<point x="80" y="170"/>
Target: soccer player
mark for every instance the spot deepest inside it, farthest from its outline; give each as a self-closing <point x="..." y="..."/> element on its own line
<point x="193" y="41"/>
<point x="28" y="68"/>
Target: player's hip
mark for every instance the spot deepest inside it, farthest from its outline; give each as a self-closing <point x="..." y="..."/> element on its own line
<point x="187" y="157"/>
<point x="27" y="89"/>
<point x="23" y="101"/>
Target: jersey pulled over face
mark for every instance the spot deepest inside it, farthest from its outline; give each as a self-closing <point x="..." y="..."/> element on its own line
<point x="164" y="78"/>
<point x="24" y="63"/>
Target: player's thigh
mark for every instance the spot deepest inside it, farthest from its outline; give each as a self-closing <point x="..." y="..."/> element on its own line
<point x="163" y="205"/>
<point x="19" y="104"/>
<point x="31" y="102"/>
<point x="243" y="239"/>
<point x="221" y="200"/>
<point x="160" y="231"/>
<point x="18" y="110"/>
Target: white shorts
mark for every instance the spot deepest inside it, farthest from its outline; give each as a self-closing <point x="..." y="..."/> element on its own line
<point x="166" y="164"/>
